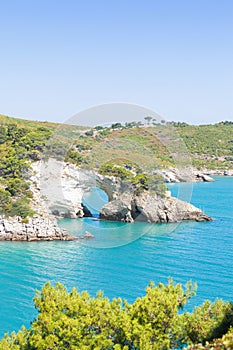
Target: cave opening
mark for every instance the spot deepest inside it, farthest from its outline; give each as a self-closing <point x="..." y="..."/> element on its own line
<point x="93" y="200"/>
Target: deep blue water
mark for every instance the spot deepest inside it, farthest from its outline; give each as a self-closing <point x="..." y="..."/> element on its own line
<point x="138" y="253"/>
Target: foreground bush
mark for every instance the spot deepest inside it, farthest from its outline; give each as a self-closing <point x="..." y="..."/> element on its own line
<point x="225" y="343"/>
<point x="77" y="321"/>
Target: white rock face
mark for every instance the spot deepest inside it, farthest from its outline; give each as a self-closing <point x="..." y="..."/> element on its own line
<point x="58" y="184"/>
<point x="42" y="226"/>
<point x="63" y="186"/>
<point x="177" y="175"/>
<point x="36" y="228"/>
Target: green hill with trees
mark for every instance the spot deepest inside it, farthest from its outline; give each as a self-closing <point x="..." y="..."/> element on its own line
<point x="211" y="146"/>
<point x="20" y="143"/>
<point x="132" y="147"/>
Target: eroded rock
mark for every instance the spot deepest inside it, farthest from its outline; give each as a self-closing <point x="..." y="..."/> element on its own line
<point x="151" y="208"/>
<point x="36" y="228"/>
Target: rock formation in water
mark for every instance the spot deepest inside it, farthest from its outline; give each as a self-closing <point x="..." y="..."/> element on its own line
<point x="62" y="196"/>
<point x="124" y="204"/>
<point x="150" y="208"/>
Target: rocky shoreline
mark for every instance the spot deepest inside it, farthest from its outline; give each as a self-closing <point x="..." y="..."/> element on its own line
<point x="228" y="172"/>
<point x="35" y="228"/>
<point x="192" y="175"/>
<point x="123" y="205"/>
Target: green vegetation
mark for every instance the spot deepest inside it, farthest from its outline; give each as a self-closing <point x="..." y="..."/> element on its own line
<point x="72" y="320"/>
<point x="137" y="144"/>
<point x="19" y="145"/>
<point x="211" y="146"/>
<point x="89" y="133"/>
<point x="23" y="142"/>
<point x="117" y="169"/>
<point x="129" y="151"/>
<point x="72" y="156"/>
<point x="154" y="183"/>
<point x="130" y="172"/>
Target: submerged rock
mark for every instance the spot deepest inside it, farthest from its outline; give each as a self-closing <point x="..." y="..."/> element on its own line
<point x="88" y="235"/>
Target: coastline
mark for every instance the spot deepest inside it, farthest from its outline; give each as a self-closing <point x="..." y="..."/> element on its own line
<point x="36" y="228"/>
<point x="218" y="172"/>
<point x="43" y="225"/>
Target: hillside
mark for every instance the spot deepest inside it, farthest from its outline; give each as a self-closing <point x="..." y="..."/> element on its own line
<point x="116" y="150"/>
<point x="211" y="146"/>
<point x="20" y="143"/>
<point x="23" y="142"/>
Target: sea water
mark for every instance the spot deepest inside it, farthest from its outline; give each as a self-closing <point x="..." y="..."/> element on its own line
<point x="123" y="258"/>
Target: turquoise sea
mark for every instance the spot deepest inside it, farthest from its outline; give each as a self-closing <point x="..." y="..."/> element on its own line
<point x="123" y="258"/>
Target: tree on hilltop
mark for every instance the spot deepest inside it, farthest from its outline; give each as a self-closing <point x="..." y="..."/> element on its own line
<point x="148" y="119"/>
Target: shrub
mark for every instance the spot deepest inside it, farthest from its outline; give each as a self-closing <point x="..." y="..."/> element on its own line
<point x="112" y="169"/>
<point x="77" y="321"/>
<point x="153" y="183"/>
<point x="17" y="186"/>
<point x="21" y="207"/>
<point x="89" y="133"/>
<point x="5" y="201"/>
<point x="73" y="157"/>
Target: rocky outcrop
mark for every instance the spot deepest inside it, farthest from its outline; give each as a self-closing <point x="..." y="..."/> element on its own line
<point x="88" y="235"/>
<point x="219" y="172"/>
<point x="63" y="186"/>
<point x="150" y="208"/>
<point x="203" y="177"/>
<point x="41" y="227"/>
<point x="184" y="175"/>
<point x="192" y="174"/>
<point x="36" y="228"/>
<point x="119" y="209"/>
<point x="59" y="189"/>
<point x="123" y="204"/>
<point x="177" y="175"/>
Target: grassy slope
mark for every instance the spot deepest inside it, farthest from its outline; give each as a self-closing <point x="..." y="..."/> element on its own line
<point x="25" y="123"/>
<point x="210" y="146"/>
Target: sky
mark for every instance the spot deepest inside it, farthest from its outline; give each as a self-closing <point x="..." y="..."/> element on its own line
<point x="174" y="57"/>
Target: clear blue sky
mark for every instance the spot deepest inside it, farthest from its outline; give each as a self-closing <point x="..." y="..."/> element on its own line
<point x="172" y="56"/>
